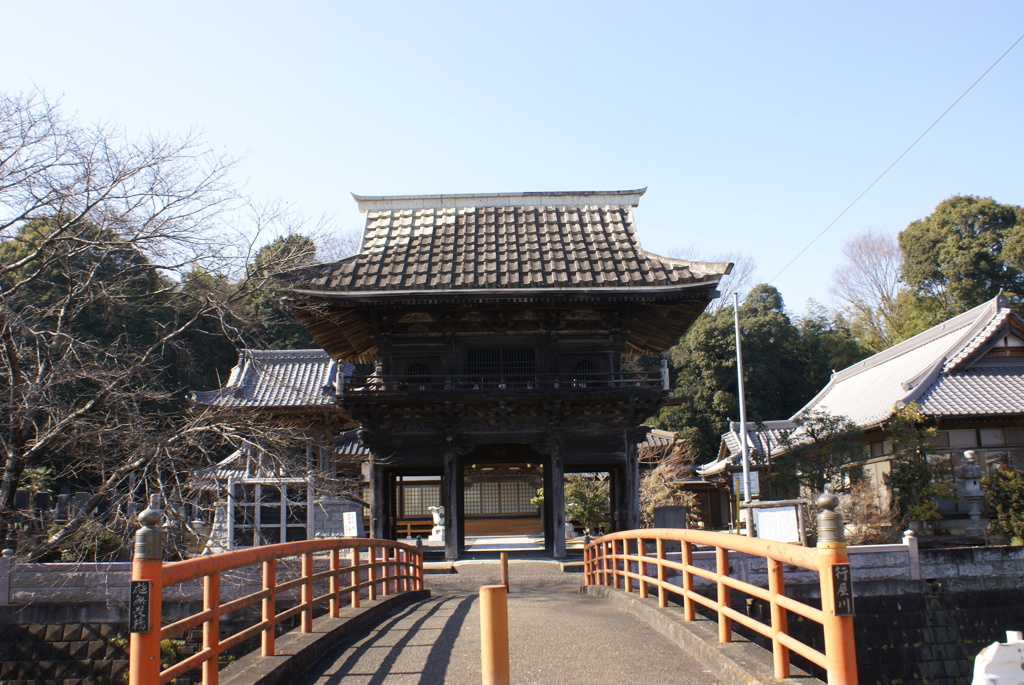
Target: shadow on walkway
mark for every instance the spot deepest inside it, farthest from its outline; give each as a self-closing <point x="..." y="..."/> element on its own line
<point x="390" y="647"/>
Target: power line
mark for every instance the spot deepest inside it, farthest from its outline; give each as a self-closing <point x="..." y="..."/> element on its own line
<point x="896" y="161"/>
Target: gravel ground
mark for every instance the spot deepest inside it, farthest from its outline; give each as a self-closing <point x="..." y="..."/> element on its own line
<point x="557" y="636"/>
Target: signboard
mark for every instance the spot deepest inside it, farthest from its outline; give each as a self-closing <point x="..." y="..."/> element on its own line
<point x="777" y="523"/>
<point x="138" y="606"/>
<point x="737" y="484"/>
<point x="350" y="523"/>
<point x="842" y="589"/>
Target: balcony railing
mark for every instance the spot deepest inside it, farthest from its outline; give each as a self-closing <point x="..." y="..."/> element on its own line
<point x="507" y="383"/>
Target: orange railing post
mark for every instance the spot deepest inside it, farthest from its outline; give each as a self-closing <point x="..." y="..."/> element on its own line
<point x="144" y="604"/>
<point x="419" y="564"/>
<point x="662" y="593"/>
<point x="689" y="611"/>
<point x="371" y="574"/>
<point x="335" y="583"/>
<point x="211" y="628"/>
<point x="616" y="578"/>
<point x="354" y="578"/>
<point x="780" y="623"/>
<point x="724" y="622"/>
<point x="269" y="606"/>
<point x="307" y="592"/>
<point x="836" y="595"/>
<point x="641" y="567"/>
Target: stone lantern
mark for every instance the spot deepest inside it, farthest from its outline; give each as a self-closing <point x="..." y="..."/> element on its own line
<point x="970" y="474"/>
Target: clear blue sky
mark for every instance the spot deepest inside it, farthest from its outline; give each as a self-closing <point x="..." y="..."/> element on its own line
<point x="753" y="124"/>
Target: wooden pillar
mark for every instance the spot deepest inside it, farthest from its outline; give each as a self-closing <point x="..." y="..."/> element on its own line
<point x="615" y="497"/>
<point x="631" y="485"/>
<point x="557" y="495"/>
<point x="546" y="510"/>
<point x="378" y="503"/>
<point x="452" y="483"/>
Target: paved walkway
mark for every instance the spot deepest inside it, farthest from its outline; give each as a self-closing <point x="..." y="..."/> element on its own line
<point x="557" y="636"/>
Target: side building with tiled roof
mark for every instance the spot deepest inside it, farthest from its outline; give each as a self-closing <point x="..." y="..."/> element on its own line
<point x="967" y="375"/>
<point x="500" y="327"/>
<point x="261" y="495"/>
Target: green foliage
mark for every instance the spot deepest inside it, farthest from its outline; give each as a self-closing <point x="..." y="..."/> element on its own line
<point x="273" y="323"/>
<point x="821" y="454"/>
<point x="125" y="294"/>
<point x="587" y="501"/>
<point x="1004" y="492"/>
<point x="912" y="477"/>
<point x="785" y="364"/>
<point x="964" y="253"/>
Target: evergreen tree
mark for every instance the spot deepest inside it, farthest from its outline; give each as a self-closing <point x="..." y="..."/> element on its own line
<point x="963" y="254"/>
<point x="785" y="364"/>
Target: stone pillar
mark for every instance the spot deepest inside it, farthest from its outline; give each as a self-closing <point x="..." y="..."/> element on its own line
<point x="557" y="496"/>
<point x="451" y="483"/>
<point x="378" y="502"/>
<point x="631" y="485"/>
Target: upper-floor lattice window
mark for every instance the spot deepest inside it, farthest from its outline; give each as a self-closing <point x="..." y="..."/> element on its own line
<point x="501" y="361"/>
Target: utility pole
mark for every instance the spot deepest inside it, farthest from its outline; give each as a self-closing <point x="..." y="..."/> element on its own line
<point x="743" y="416"/>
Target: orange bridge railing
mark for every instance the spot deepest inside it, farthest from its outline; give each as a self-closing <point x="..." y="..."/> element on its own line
<point x="356" y="567"/>
<point x="638" y="558"/>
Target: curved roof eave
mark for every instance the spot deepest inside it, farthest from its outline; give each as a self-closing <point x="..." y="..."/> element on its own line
<point x="508" y="292"/>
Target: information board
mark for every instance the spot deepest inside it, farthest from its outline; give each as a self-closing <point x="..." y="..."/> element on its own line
<point x="777" y="523"/>
<point x="350" y="523"/>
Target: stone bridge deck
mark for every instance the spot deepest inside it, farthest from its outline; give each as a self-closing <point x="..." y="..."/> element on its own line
<point x="557" y="636"/>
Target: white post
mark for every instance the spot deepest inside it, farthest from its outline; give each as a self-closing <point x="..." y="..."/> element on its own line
<point x="231" y="513"/>
<point x="743" y="415"/>
<point x="6" y="572"/>
<point x="910" y="540"/>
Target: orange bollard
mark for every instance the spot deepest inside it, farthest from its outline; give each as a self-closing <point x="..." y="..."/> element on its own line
<point x="494" y="662"/>
<point x="504" y="570"/>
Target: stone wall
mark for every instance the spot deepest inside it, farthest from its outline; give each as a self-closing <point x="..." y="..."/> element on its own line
<point x="927" y="631"/>
<point x="70" y="654"/>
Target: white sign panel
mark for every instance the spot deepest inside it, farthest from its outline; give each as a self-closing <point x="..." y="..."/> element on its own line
<point x="350" y="522"/>
<point x="737" y="484"/>
<point x="777" y="523"/>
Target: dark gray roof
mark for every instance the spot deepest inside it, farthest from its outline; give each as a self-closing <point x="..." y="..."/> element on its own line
<point x="266" y="379"/>
<point x="978" y="391"/>
<point x="529" y="241"/>
<point x="348" y="444"/>
<point x="764" y="439"/>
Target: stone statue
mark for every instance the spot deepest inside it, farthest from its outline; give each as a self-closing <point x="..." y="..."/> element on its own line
<point x="437" y="532"/>
<point x="438" y="514"/>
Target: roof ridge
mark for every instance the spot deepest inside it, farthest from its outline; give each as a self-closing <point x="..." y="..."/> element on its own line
<point x="923" y="338"/>
<point x="981" y="339"/>
<point x="457" y="200"/>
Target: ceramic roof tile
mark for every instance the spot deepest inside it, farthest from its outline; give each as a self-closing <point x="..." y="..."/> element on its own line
<point x="938" y="368"/>
<point x="977" y="391"/>
<point x="275" y="378"/>
<point x="513" y="246"/>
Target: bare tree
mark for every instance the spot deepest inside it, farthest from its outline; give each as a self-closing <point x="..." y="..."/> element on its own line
<point x="739" y="280"/>
<point x="116" y="264"/>
<point x="868" y="285"/>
